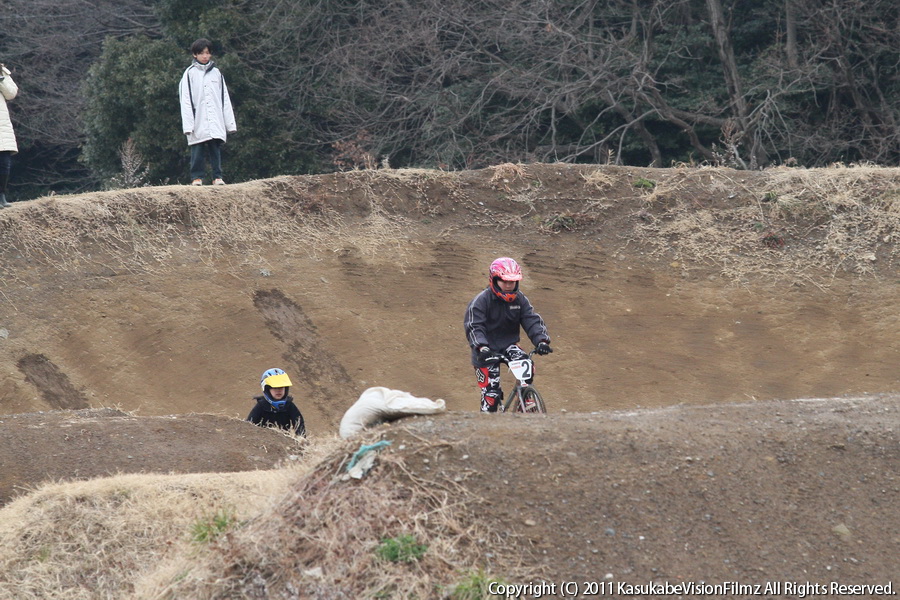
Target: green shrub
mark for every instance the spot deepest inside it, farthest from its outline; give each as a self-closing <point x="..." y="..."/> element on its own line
<point x="474" y="586"/>
<point x="401" y="549"/>
<point x="209" y="528"/>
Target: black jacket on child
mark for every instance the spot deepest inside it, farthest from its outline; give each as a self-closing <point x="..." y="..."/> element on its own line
<point x="492" y="322"/>
<point x="288" y="417"/>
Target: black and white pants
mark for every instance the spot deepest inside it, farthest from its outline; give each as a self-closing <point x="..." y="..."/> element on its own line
<point x="489" y="379"/>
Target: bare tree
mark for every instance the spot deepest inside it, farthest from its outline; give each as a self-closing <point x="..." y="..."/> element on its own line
<point x="791" y="51"/>
<point x="458" y="83"/>
<point x="50" y="45"/>
<point x="835" y="99"/>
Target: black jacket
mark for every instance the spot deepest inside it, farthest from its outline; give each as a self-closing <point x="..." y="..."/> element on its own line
<point x="288" y="417"/>
<point x="490" y="321"/>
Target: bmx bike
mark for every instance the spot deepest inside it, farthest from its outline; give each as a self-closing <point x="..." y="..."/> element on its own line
<point x="524" y="397"/>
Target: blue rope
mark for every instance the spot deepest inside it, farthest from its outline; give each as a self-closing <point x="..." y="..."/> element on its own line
<point x="365" y="449"/>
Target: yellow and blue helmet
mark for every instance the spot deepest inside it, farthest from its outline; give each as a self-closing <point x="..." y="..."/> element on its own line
<point x="275" y="378"/>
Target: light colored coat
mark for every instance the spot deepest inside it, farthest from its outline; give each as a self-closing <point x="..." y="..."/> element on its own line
<point x="8" y="91"/>
<point x="206" y="112"/>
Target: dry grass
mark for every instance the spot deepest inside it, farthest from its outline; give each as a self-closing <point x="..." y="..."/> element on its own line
<point x="94" y="539"/>
<point x="599" y="179"/>
<point x="116" y="537"/>
<point x="778" y="224"/>
<point x="301" y="531"/>
<point x="320" y="540"/>
<point x="141" y="230"/>
<point x="793" y="224"/>
<point x="502" y="176"/>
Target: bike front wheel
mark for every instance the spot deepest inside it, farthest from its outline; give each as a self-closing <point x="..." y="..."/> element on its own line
<point x="526" y="400"/>
<point x="533" y="403"/>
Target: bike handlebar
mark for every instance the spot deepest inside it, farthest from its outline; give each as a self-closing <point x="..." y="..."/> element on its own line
<point x="499" y="357"/>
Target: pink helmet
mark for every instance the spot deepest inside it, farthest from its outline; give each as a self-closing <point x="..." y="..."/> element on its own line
<point x="506" y="269"/>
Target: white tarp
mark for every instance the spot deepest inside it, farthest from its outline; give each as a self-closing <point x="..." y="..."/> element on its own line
<point x="380" y="404"/>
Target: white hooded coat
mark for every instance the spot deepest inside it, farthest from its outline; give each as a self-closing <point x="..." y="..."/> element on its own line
<point x="206" y="112"/>
<point x="8" y="91"/>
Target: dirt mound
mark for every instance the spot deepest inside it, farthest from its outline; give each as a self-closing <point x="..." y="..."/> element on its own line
<point x="752" y="492"/>
<point x="732" y="500"/>
<point x="752" y="499"/>
<point x="687" y="308"/>
<point x="83" y="444"/>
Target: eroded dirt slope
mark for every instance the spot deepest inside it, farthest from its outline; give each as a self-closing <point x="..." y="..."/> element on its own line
<point x="155" y="314"/>
<point x="165" y="301"/>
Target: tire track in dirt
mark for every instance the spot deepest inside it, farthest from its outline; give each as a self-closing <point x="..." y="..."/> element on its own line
<point x="452" y="263"/>
<point x="321" y="374"/>
<point x="351" y="262"/>
<point x="52" y="383"/>
<point x="580" y="268"/>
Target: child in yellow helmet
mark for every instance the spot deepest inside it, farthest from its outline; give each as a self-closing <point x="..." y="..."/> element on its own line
<point x="276" y="406"/>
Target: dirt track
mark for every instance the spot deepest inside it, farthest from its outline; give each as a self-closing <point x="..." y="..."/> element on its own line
<point x="379" y="301"/>
<point x="61" y="445"/>
<point x="676" y="450"/>
<point x="751" y="493"/>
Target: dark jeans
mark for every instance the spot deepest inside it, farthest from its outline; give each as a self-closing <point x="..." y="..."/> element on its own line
<point x="211" y="149"/>
<point x="5" y="165"/>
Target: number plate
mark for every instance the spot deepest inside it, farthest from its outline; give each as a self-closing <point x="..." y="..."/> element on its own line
<point x="521" y="369"/>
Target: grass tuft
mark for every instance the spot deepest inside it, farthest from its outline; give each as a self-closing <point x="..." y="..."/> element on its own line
<point x="475" y="585"/>
<point x="401" y="549"/>
<point x="210" y="527"/>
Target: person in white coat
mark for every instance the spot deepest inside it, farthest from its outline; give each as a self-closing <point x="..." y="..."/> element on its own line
<point x="206" y="113"/>
<point x="8" y="147"/>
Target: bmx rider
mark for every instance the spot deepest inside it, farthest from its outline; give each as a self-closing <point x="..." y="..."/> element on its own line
<point x="493" y="321"/>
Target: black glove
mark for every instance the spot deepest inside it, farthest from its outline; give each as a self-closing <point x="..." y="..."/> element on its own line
<point x="543" y="348"/>
<point x="486" y="355"/>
